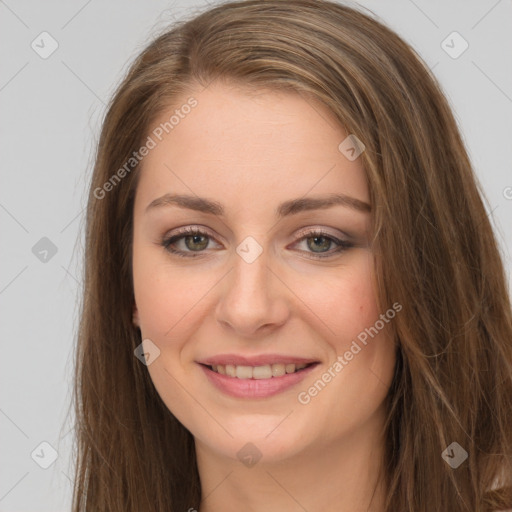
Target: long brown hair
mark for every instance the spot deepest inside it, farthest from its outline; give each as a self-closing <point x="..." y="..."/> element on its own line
<point x="434" y="251"/>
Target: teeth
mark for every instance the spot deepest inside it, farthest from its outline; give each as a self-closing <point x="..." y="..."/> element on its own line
<point x="261" y="372"/>
<point x="257" y="372"/>
<point x="243" y="372"/>
<point x="278" y="370"/>
<point x="290" y="368"/>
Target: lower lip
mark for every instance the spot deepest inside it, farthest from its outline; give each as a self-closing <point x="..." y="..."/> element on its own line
<point x="256" y="388"/>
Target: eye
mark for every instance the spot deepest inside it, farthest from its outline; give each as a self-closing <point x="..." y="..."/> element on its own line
<point x="319" y="242"/>
<point x="194" y="240"/>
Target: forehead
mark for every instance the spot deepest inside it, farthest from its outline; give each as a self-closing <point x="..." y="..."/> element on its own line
<point x="248" y="146"/>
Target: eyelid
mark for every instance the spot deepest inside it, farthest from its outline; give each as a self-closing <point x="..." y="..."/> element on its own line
<point x="314" y="229"/>
<point x="191" y="228"/>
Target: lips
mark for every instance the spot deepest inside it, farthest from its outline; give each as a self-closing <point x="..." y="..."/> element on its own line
<point x="258" y="376"/>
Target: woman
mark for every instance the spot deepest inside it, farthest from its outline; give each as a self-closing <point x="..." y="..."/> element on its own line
<point x="293" y="297"/>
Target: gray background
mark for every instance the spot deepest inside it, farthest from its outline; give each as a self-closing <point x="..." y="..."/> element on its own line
<point x="51" y="113"/>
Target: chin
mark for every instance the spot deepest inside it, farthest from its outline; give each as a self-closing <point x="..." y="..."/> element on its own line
<point x="265" y="437"/>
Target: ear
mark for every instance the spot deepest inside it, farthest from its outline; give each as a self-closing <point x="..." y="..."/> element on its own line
<point x="135" y="317"/>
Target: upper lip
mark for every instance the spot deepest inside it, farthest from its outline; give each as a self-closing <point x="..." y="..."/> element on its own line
<point x="259" y="360"/>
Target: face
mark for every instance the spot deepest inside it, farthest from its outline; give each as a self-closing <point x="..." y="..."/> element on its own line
<point x="254" y="275"/>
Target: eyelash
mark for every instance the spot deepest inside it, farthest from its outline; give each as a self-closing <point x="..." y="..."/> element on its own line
<point x="192" y="231"/>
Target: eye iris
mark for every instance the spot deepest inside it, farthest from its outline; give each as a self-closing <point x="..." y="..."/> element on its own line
<point x="325" y="245"/>
<point x="194" y="238"/>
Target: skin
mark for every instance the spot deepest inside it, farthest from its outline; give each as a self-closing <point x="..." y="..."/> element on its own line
<point x="252" y="151"/>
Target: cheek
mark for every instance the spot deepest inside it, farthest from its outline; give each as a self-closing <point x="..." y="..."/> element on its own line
<point x="345" y="302"/>
<point x="166" y="297"/>
<point x="169" y="302"/>
<point x="354" y="309"/>
<point x="361" y="361"/>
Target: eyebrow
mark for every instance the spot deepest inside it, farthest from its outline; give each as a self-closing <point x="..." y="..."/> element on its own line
<point x="290" y="207"/>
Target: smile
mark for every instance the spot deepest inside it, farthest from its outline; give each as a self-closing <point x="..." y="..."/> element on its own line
<point x="251" y="382"/>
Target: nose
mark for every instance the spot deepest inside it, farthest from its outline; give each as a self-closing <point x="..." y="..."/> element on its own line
<point x="253" y="299"/>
